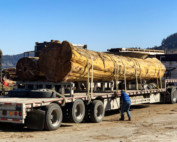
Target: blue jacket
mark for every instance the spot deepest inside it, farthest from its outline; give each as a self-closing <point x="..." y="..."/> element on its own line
<point x="125" y="97"/>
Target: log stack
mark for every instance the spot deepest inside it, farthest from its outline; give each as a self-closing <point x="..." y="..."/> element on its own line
<point x="10" y="73"/>
<point x="28" y="67"/>
<point x="64" y="62"/>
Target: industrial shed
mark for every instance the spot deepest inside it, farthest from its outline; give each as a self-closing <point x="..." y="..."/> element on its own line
<point x="170" y="62"/>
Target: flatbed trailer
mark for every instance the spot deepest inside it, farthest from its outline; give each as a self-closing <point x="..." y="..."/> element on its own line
<point x="60" y="102"/>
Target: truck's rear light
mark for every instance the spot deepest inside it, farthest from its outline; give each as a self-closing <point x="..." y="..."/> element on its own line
<point x="15" y="113"/>
<point x="20" y="113"/>
<point x="10" y="113"/>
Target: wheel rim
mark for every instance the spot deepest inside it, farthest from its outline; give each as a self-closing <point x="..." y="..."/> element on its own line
<point x="174" y="99"/>
<point x="79" y="111"/>
<point x="55" y="118"/>
<point x="99" y="112"/>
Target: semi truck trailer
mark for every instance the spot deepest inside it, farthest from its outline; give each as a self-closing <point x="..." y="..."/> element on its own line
<point x="45" y="105"/>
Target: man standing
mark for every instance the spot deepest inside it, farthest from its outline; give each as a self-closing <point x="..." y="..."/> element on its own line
<point x="126" y="103"/>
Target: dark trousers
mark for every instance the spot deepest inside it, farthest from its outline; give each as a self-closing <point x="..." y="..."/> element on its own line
<point x="126" y="107"/>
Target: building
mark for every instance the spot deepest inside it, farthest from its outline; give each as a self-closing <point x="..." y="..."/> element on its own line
<point x="170" y="62"/>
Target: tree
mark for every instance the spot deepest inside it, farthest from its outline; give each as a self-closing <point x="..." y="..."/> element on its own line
<point x="170" y="42"/>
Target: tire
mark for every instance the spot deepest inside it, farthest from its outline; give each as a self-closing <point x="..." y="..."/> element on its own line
<point x="41" y="93"/>
<point x="19" y="93"/>
<point x="77" y="111"/>
<point x="152" y="85"/>
<point x="53" y="117"/>
<point x="97" y="111"/>
<point x="173" y="95"/>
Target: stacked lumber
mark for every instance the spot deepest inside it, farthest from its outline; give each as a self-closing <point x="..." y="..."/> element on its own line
<point x="10" y="73"/>
<point x="10" y="82"/>
<point x="28" y="69"/>
<point x="9" y="76"/>
<point x="65" y="62"/>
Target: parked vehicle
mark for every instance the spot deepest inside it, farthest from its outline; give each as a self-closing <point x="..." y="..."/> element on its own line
<point x="45" y="105"/>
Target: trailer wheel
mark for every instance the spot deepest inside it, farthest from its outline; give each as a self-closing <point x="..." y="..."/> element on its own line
<point x="54" y="117"/>
<point x="173" y="95"/>
<point x="97" y="111"/>
<point x="77" y="111"/>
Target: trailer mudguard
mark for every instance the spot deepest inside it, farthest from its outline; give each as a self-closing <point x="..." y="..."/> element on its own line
<point x="35" y="119"/>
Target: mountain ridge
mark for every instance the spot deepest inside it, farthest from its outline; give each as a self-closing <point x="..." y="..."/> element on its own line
<point x="9" y="61"/>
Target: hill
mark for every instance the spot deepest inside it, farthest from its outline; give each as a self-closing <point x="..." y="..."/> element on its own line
<point x="9" y="61"/>
<point x="168" y="44"/>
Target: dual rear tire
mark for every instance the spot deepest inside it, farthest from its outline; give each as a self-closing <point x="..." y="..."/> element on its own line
<point x="80" y="111"/>
<point x="95" y="112"/>
<point x="98" y="111"/>
<point x="173" y="95"/>
<point x="54" y="117"/>
<point x="77" y="111"/>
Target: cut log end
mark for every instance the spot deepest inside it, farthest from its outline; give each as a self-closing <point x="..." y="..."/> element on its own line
<point x="55" y="62"/>
<point x="27" y="69"/>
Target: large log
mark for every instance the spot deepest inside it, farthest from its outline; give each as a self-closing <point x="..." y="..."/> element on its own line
<point x="27" y="69"/>
<point x="64" y="62"/>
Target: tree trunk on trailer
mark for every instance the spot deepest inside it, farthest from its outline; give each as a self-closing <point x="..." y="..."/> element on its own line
<point x="64" y="62"/>
<point x="27" y="69"/>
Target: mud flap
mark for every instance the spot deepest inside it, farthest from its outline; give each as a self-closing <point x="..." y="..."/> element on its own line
<point x="35" y="119"/>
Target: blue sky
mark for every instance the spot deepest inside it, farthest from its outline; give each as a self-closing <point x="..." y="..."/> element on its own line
<point x="101" y="24"/>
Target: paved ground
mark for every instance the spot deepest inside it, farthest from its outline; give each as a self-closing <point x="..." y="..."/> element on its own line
<point x="153" y="123"/>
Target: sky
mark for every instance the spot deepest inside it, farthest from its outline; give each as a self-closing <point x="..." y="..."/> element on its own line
<point x="101" y="24"/>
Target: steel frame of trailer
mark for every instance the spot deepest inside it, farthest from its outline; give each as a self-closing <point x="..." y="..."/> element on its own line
<point x="108" y="97"/>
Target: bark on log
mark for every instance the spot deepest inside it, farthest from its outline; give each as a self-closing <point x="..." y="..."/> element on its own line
<point x="27" y="69"/>
<point x="64" y="62"/>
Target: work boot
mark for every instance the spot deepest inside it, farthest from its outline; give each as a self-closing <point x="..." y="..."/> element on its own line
<point x="129" y="119"/>
<point x="121" y="119"/>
